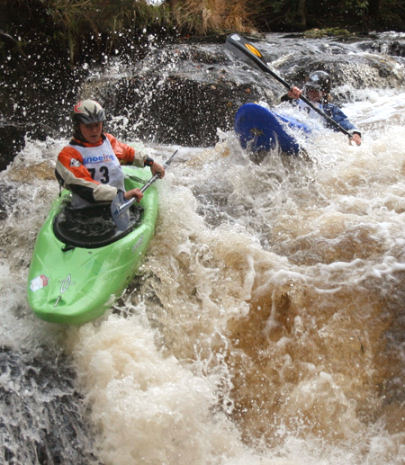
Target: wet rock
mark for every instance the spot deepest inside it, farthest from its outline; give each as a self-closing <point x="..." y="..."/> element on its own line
<point x="182" y="97"/>
<point x="185" y="112"/>
<point x="7" y="39"/>
<point x="7" y="198"/>
<point x="294" y="58"/>
<point x="11" y="142"/>
<point x="183" y="93"/>
<point x="42" y="410"/>
<point x="385" y="46"/>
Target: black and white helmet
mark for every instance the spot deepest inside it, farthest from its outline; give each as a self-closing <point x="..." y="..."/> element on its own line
<point x="319" y="80"/>
<point x="88" y="111"/>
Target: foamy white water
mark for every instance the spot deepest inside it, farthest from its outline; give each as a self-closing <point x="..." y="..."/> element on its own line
<point x="266" y="326"/>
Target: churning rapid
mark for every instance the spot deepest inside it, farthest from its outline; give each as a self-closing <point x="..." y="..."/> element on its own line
<point x="266" y="327"/>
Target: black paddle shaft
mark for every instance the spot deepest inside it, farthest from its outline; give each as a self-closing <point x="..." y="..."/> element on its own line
<point x="157" y="176"/>
<point x="248" y="52"/>
<point x="118" y="206"/>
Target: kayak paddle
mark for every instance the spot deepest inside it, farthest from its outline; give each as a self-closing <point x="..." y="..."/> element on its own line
<point x="119" y="206"/>
<point x="250" y="54"/>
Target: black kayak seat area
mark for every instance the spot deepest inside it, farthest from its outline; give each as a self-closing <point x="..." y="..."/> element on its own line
<point x="92" y="227"/>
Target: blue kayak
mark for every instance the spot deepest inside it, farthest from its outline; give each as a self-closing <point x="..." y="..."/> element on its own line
<point x="260" y="129"/>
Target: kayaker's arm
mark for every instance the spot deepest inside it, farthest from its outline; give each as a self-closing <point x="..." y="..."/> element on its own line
<point x="125" y="153"/>
<point x="331" y="110"/>
<point x="136" y="194"/>
<point x="155" y="167"/>
<point x="128" y="155"/>
<point x="294" y="93"/>
<point x="118" y="207"/>
<point x="341" y="118"/>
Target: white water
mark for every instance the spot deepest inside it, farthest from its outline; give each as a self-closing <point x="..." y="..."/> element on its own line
<point x="267" y="324"/>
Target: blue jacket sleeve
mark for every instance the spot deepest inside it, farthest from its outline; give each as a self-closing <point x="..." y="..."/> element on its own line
<point x="337" y="115"/>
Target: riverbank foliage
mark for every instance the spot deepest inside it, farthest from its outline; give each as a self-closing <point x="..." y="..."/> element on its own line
<point x="73" y="27"/>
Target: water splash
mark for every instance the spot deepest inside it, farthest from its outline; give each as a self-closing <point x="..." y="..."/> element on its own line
<point x="266" y="326"/>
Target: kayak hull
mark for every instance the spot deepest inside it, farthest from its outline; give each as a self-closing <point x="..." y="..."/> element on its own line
<point x="72" y="285"/>
<point x="260" y="129"/>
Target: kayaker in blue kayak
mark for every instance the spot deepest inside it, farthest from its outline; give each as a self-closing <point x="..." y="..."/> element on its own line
<point x="90" y="166"/>
<point x="317" y="91"/>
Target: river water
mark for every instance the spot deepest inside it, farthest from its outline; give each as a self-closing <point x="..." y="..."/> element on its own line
<point x="266" y="326"/>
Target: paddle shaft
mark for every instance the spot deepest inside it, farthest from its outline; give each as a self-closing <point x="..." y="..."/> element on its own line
<point x="127" y="204"/>
<point x="235" y="41"/>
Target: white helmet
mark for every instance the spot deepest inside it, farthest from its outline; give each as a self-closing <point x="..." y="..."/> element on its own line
<point x="319" y="80"/>
<point x="88" y="111"/>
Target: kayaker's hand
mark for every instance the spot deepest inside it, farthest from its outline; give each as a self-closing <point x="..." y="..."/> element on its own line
<point x="137" y="193"/>
<point x="294" y="93"/>
<point x="157" y="169"/>
<point x="356" y="138"/>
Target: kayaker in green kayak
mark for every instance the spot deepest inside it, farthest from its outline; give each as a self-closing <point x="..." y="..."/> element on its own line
<point x="90" y="166"/>
<point x="317" y="91"/>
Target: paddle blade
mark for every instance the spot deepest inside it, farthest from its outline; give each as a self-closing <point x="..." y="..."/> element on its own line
<point x="245" y="51"/>
<point x="119" y="215"/>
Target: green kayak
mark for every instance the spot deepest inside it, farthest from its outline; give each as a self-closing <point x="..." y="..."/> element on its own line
<point x="82" y="262"/>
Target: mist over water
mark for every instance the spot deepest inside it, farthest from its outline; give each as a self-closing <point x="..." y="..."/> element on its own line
<point x="266" y="325"/>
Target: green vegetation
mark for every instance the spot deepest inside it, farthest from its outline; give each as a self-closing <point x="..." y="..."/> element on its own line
<point x="74" y="27"/>
<point x="75" y="19"/>
<point x="327" y="32"/>
<point x="210" y="16"/>
<point x="353" y="15"/>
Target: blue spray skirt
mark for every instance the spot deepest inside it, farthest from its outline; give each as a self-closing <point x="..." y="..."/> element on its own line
<point x="260" y="129"/>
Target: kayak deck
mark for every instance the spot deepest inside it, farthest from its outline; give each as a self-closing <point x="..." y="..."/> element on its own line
<point x="91" y="227"/>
